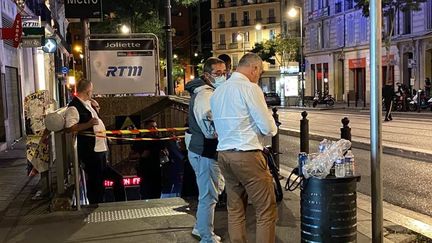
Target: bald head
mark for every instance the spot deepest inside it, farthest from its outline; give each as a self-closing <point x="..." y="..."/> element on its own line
<point x="251" y="66"/>
<point x="84" y="89"/>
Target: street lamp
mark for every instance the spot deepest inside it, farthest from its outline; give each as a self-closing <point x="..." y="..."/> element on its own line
<point x="241" y="36"/>
<point x="125" y="29"/>
<point x="293" y="13"/>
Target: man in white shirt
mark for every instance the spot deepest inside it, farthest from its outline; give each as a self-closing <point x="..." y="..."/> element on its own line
<point x="82" y="116"/>
<point x="242" y="120"/>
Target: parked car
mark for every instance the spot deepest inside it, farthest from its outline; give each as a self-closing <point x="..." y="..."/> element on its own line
<point x="272" y="99"/>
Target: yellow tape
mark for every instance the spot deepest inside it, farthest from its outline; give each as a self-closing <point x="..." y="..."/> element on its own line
<point x="138" y="131"/>
<point x="98" y="135"/>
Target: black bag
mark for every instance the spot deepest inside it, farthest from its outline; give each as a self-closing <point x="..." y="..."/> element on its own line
<point x="274" y="170"/>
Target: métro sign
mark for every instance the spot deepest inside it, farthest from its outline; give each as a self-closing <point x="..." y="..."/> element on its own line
<point x="124" y="65"/>
<point x="83" y="9"/>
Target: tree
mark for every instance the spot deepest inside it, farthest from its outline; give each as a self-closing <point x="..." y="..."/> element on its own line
<point x="142" y="16"/>
<point x="282" y="50"/>
<point x="390" y="9"/>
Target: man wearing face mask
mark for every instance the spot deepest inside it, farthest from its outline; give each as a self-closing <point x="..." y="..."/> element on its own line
<point x="202" y="146"/>
<point x="242" y="120"/>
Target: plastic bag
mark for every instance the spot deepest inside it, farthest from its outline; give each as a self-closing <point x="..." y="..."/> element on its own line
<point x="319" y="165"/>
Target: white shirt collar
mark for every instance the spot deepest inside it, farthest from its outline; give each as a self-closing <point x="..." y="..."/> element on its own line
<point x="238" y="76"/>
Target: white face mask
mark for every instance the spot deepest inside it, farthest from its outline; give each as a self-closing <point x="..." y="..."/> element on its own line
<point x="218" y="81"/>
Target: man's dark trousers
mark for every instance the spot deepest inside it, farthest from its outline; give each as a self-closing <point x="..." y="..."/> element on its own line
<point x="388" y="106"/>
<point x="97" y="171"/>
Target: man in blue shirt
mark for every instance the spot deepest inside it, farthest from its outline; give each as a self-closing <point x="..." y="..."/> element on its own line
<point x="242" y="120"/>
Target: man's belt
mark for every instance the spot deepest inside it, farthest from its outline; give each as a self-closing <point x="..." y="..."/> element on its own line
<point x="239" y="150"/>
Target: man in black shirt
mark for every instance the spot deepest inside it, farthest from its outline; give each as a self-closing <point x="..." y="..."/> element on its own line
<point x="388" y="94"/>
<point x="149" y="154"/>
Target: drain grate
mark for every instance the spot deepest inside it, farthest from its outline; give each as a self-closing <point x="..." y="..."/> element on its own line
<point x="135" y="213"/>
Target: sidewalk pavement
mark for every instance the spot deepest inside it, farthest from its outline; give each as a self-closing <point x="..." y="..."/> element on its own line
<point x="158" y="220"/>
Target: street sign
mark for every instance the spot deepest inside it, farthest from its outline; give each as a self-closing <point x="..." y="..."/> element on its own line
<point x="31" y="22"/>
<point x="83" y="9"/>
<point x="65" y="70"/>
<point x="50" y="45"/>
<point x="30" y="42"/>
<point x="37" y="31"/>
<point x="123" y="65"/>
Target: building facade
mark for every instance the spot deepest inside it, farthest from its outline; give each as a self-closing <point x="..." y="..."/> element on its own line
<point x="337" y="49"/>
<point x="238" y="24"/>
<point x="24" y="70"/>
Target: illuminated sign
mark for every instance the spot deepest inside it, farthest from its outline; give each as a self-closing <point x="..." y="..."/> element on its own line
<point x="131" y="181"/>
<point x="108" y="183"/>
<point x="291" y="85"/>
<point x="50" y="45"/>
<point x="123" y="66"/>
<point x="77" y="9"/>
<point x="31" y="22"/>
<point x="132" y="71"/>
<point x="128" y="181"/>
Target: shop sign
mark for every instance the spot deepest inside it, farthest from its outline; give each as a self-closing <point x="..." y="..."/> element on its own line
<point x="31" y="22"/>
<point x="357" y="63"/>
<point x="30" y="42"/>
<point x="14" y="33"/>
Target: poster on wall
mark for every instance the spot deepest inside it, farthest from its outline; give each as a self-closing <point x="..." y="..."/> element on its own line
<point x="123" y="66"/>
<point x="291" y="84"/>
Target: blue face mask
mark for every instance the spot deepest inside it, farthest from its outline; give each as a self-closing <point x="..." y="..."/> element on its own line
<point x="218" y="81"/>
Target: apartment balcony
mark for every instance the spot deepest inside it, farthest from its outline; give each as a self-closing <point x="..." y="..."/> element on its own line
<point x="247" y="45"/>
<point x="245" y="22"/>
<point x="259" y="20"/>
<point x="234" y="23"/>
<point x="319" y="13"/>
<point x="222" y="46"/>
<point x="271" y="20"/>
<point x="233" y="3"/>
<point x="233" y="45"/>
<point x="221" y="24"/>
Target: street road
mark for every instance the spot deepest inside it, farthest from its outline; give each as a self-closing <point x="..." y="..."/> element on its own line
<point x="406" y="182"/>
<point x="409" y="133"/>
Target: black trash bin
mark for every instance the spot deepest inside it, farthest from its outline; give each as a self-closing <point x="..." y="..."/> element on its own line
<point x="329" y="210"/>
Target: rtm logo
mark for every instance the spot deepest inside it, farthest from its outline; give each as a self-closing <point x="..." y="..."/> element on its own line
<point x="120" y="71"/>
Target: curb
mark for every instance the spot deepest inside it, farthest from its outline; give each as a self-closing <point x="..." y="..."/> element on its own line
<point x="409" y="114"/>
<point x="405" y="153"/>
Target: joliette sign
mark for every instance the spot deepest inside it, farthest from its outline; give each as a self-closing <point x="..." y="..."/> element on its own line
<point x="123" y="65"/>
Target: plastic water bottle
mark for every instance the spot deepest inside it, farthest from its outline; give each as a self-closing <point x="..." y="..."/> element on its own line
<point x="340" y="167"/>
<point x="349" y="163"/>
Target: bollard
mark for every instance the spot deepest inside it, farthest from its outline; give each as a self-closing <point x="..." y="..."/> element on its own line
<point x="345" y="129"/>
<point x="348" y="97"/>
<point x="304" y="133"/>
<point x="76" y="174"/>
<point x="275" y="138"/>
